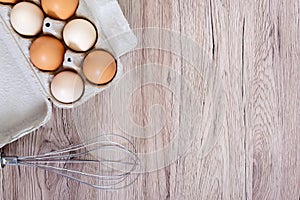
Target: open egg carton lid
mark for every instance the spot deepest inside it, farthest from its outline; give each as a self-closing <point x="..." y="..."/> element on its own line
<point x="25" y="90"/>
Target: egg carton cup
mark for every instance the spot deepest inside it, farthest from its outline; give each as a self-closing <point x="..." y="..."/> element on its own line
<point x="25" y="97"/>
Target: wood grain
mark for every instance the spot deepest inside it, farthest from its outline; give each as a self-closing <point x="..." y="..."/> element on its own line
<point x="256" y="46"/>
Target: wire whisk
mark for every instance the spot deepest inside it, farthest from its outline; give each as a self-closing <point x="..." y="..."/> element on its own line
<point x="105" y="162"/>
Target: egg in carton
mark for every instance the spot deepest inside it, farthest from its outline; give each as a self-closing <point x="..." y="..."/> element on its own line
<point x="25" y="91"/>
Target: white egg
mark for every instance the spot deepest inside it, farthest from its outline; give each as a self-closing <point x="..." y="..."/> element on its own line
<point x="27" y="18"/>
<point x="79" y="35"/>
<point x="67" y="87"/>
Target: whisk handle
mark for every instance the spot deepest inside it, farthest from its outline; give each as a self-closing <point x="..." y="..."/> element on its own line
<point x="8" y="160"/>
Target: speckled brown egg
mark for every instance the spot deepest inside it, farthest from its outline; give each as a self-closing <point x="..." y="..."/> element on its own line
<point x="99" y="67"/>
<point x="47" y="53"/>
<point x="60" y="9"/>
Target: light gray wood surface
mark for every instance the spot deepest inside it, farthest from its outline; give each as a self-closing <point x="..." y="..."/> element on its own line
<point x="256" y="47"/>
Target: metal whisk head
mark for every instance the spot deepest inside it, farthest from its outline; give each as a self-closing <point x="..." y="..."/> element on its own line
<point x="105" y="162"/>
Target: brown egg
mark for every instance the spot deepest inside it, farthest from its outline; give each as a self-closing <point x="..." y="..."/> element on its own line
<point x="99" y="67"/>
<point x="60" y="9"/>
<point x="9" y="1"/>
<point x="47" y="53"/>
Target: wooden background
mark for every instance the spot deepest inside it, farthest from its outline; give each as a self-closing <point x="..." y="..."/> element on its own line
<point x="256" y="46"/>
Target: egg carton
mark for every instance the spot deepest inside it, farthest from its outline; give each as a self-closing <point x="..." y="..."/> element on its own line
<point x="25" y="97"/>
<point x="114" y="35"/>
